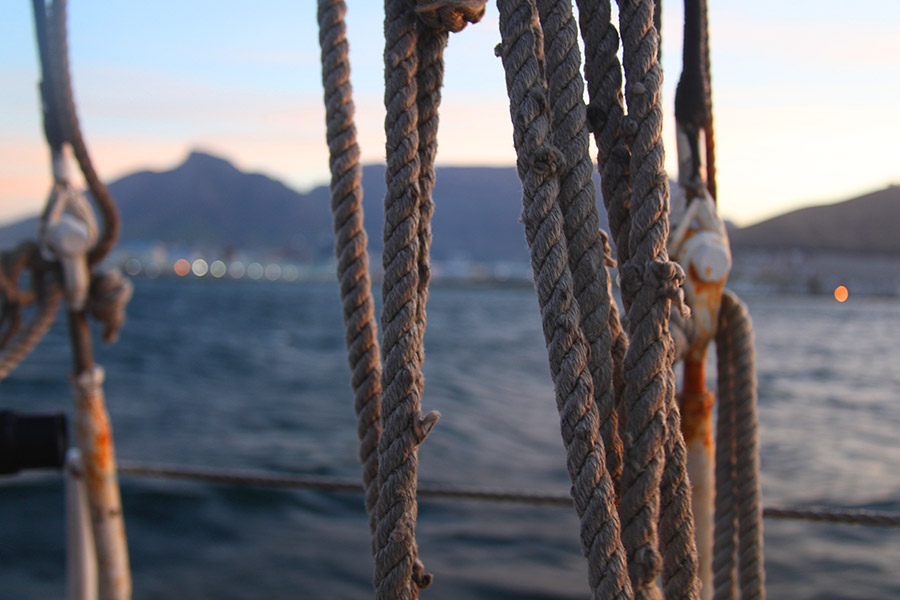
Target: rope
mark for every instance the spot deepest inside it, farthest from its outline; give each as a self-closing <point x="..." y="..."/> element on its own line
<point x="738" y="477"/>
<point x="654" y="449"/>
<point x="539" y="163"/>
<point x="58" y="85"/>
<point x="35" y="331"/>
<point x="413" y="76"/>
<point x="351" y="241"/>
<point x="863" y="517"/>
<point x="589" y="253"/>
<point x="606" y="114"/>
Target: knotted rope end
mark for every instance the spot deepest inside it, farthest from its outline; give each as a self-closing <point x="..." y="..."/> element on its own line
<point x="449" y="15"/>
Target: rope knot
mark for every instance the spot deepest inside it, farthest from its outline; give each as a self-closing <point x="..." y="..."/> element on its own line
<point x="449" y="15"/>
<point x="110" y="293"/>
<point x="664" y="276"/>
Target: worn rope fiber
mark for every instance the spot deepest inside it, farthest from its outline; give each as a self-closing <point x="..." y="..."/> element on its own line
<point x="654" y="448"/>
<point x="415" y="36"/>
<point x="351" y="242"/>
<point x="741" y="505"/>
<point x="589" y="253"/>
<point x="539" y="163"/>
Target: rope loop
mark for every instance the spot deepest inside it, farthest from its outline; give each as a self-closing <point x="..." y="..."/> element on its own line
<point x="109" y="295"/>
<point x="449" y="15"/>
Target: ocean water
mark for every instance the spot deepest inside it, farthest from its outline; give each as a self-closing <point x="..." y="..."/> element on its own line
<point x="252" y="375"/>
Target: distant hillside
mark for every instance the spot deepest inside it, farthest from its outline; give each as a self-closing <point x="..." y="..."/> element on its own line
<point x="207" y="202"/>
<point x="868" y="223"/>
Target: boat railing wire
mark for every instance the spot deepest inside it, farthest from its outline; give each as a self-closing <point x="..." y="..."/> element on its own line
<point x="430" y="490"/>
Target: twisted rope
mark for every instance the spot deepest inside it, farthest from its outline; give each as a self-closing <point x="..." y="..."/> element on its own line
<point x="58" y="85"/>
<point x="589" y="254"/>
<point x="396" y="510"/>
<point x="606" y="115"/>
<point x="539" y="163"/>
<point x="351" y="241"/>
<point x="35" y="331"/>
<point x="741" y="463"/>
<point x="413" y="77"/>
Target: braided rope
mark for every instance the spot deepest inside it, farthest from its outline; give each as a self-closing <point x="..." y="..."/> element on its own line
<point x="351" y="241"/>
<point x="538" y="164"/>
<point x="587" y="243"/>
<point x="740" y="375"/>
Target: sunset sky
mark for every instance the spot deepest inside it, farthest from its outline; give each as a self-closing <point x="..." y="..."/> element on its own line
<point x="805" y="94"/>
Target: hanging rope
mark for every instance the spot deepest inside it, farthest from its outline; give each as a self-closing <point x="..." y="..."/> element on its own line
<point x="738" y="513"/>
<point x="350" y="242"/>
<point x="61" y="118"/>
<point x="415" y="35"/>
<point x="539" y="164"/>
<point x="589" y="252"/>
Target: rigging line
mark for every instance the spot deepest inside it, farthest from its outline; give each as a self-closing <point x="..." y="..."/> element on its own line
<point x="248" y="477"/>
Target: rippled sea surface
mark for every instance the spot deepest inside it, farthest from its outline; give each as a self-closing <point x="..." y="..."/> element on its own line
<point x="251" y="375"/>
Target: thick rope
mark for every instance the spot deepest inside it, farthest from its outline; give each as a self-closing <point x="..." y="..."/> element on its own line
<point x="350" y="242"/>
<point x="649" y="282"/>
<point x="606" y="115"/>
<point x="396" y="510"/>
<point x="58" y="77"/>
<point x="724" y="562"/>
<point x="588" y="247"/>
<point x="538" y="164"/>
<point x="738" y="370"/>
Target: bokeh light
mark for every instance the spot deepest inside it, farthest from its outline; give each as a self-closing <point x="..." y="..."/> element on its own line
<point x="133" y="266"/>
<point x="255" y="271"/>
<point x="237" y="269"/>
<point x="217" y="269"/>
<point x="841" y="293"/>
<point x="182" y="267"/>
<point x="273" y="272"/>
<point x="200" y="268"/>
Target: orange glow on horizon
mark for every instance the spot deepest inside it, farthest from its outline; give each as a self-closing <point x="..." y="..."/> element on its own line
<point x="841" y="293"/>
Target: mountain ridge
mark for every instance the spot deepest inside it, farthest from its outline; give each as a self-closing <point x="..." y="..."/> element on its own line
<point x="206" y="202"/>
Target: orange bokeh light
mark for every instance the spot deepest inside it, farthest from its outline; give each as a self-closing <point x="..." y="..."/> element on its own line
<point x="182" y="267"/>
<point x="841" y="293"/>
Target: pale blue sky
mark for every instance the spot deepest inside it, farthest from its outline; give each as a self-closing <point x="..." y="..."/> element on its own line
<point x="805" y="94"/>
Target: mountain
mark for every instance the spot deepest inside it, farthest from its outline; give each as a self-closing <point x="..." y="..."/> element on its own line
<point x="868" y="224"/>
<point x="207" y="202"/>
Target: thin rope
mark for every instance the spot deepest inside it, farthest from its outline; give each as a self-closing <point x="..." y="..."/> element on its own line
<point x="351" y="242"/>
<point x="247" y="477"/>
